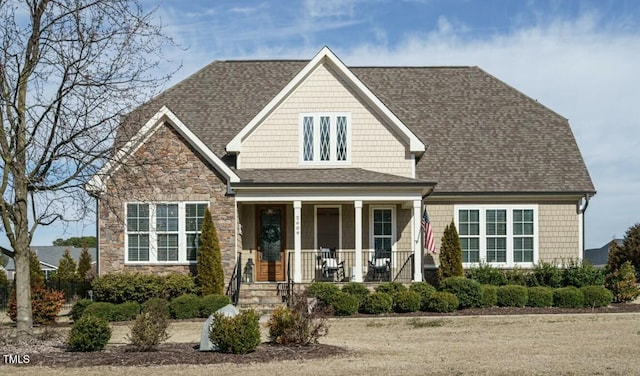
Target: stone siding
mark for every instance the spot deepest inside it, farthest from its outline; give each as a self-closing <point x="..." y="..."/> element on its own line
<point x="164" y="169"/>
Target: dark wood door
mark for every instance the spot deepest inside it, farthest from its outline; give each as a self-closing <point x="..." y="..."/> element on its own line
<point x="271" y="243"/>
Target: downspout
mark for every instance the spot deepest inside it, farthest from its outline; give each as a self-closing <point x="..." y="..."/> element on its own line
<point x="583" y="207"/>
<point x="97" y="235"/>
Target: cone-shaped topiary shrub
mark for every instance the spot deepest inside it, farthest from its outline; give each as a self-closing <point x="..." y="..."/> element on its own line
<point x="450" y="254"/>
<point x="210" y="276"/>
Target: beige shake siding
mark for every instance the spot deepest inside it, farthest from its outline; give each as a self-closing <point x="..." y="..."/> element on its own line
<point x="558" y="228"/>
<point x="276" y="142"/>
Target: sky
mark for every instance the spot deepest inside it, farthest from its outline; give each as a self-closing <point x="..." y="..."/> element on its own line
<point x="578" y="58"/>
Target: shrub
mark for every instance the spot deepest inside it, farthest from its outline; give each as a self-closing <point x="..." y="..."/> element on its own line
<point x="210" y="276"/>
<point x="622" y="283"/>
<point x="45" y="304"/>
<point x="344" y="304"/>
<point x="174" y="285"/>
<point x="237" y="335"/>
<point x="137" y="287"/>
<point x="407" y="301"/>
<point x="102" y="310"/>
<point x="211" y="303"/>
<point x="78" y="308"/>
<point x="517" y="277"/>
<point x="512" y="296"/>
<point x="377" y="303"/>
<point x="185" y="307"/>
<point x="356" y="289"/>
<point x="547" y="274"/>
<point x="391" y="288"/>
<point x="156" y="303"/>
<point x="89" y="333"/>
<point x="489" y="295"/>
<point x="450" y="254"/>
<point x="125" y="311"/>
<point x="425" y="290"/>
<point x="323" y="291"/>
<point x="442" y="301"/>
<point x="596" y="296"/>
<point x="628" y="251"/>
<point x="487" y="275"/>
<point x="298" y="325"/>
<point x="466" y="290"/>
<point x="568" y="297"/>
<point x="150" y="326"/>
<point x="540" y="296"/>
<point x="581" y="274"/>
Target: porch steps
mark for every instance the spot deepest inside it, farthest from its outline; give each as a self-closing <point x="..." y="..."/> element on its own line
<point x="262" y="297"/>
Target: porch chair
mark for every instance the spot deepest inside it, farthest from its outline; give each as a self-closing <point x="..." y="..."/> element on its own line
<point x="329" y="264"/>
<point x="380" y="265"/>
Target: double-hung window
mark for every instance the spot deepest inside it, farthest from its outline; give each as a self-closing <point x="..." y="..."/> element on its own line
<point x="325" y="138"/>
<point x="163" y="232"/>
<point x="500" y="235"/>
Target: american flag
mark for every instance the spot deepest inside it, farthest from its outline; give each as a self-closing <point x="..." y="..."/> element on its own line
<point x="429" y="243"/>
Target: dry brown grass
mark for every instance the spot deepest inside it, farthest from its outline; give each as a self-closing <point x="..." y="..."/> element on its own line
<point x="585" y="344"/>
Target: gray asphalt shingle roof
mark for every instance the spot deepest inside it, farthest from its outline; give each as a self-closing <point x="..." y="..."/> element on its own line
<point x="482" y="135"/>
<point x="315" y="176"/>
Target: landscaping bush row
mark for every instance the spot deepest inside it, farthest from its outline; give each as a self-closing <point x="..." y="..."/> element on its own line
<point x="137" y="287"/>
<point x="186" y="306"/>
<point x="546" y="274"/>
<point x="454" y="293"/>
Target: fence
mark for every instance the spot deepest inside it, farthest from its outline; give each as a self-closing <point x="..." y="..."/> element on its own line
<point x="72" y="292"/>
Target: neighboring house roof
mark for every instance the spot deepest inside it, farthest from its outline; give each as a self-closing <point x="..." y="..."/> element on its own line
<point x="481" y="135"/>
<point x="49" y="256"/>
<point x="599" y="256"/>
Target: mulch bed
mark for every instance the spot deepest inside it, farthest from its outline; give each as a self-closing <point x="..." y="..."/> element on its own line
<point x="181" y="353"/>
<point x="51" y="352"/>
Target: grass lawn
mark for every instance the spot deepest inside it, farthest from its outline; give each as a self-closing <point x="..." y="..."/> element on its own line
<point x="561" y="344"/>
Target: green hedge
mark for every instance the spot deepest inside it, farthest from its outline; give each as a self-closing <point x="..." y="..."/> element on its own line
<point x="489" y="295"/>
<point x="376" y="303"/>
<point x="466" y="290"/>
<point x="345" y="304"/>
<point x="391" y="288"/>
<point x="568" y="297"/>
<point x="540" y="296"/>
<point x="596" y="296"/>
<point x="137" y="287"/>
<point x="238" y="334"/>
<point x="425" y="290"/>
<point x="512" y="296"/>
<point x="78" y="308"/>
<point x="323" y="291"/>
<point x="89" y="333"/>
<point x="442" y="301"/>
<point x="357" y="289"/>
<point x="211" y="303"/>
<point x="113" y="312"/>
<point x="185" y="307"/>
<point x="407" y="301"/>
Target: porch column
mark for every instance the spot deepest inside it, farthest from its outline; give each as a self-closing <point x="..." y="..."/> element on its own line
<point x="358" y="229"/>
<point x="297" y="243"/>
<point x="416" y="244"/>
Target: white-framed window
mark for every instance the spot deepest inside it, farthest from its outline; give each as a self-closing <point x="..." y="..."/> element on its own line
<point x="500" y="235"/>
<point x="165" y="232"/>
<point x="382" y="230"/>
<point x="325" y="138"/>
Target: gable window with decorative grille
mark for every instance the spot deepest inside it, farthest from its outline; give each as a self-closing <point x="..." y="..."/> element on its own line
<point x="325" y="138"/>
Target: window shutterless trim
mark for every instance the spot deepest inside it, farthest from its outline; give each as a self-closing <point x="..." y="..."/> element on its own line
<point x="510" y="259"/>
<point x="153" y="233"/>
<point x="325" y="138"/>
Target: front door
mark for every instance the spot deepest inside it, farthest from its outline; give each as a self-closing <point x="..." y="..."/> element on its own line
<point x="271" y="243"/>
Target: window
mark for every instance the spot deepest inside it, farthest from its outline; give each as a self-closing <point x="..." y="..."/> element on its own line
<point x="325" y="138"/>
<point x="382" y="232"/>
<point x="163" y="232"/>
<point x="503" y="236"/>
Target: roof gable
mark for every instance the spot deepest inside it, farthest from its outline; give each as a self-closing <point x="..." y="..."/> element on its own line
<point x="163" y="116"/>
<point x="326" y="57"/>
